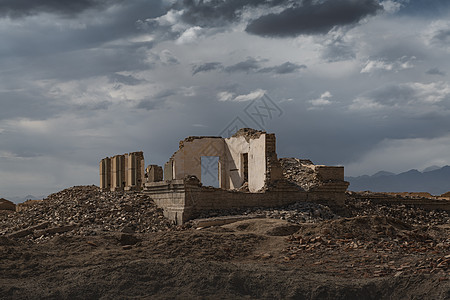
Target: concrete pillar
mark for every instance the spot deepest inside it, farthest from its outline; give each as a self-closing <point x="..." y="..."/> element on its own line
<point x="135" y="171"/>
<point x="105" y="174"/>
<point x="168" y="170"/>
<point x="131" y="171"/>
<point x="118" y="172"/>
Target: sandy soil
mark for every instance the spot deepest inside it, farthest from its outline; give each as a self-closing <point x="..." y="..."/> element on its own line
<point x="368" y="257"/>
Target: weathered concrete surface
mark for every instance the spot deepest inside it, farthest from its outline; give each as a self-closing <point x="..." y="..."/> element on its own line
<point x="154" y="173"/>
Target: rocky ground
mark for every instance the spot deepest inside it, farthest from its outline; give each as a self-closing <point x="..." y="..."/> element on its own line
<point x="82" y="243"/>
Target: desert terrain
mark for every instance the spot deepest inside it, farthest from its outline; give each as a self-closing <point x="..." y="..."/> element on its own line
<point x="82" y="243"/>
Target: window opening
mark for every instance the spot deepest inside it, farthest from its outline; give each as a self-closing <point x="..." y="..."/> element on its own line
<point x="210" y="171"/>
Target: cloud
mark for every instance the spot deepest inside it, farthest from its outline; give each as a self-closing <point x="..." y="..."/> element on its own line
<point x="313" y="18"/>
<point x="217" y="13"/>
<point x="395" y="155"/>
<point x="250" y="96"/>
<point x="402" y="63"/>
<point x="225" y="96"/>
<point x="337" y="46"/>
<point x="250" y="64"/>
<point x="323" y="100"/>
<point x="190" y="35"/>
<point x="392" y="6"/>
<point x="435" y="71"/>
<point x="68" y="8"/>
<point x="438" y="33"/>
<point x="423" y="8"/>
<point x="167" y="58"/>
<point x="206" y="67"/>
<point x="408" y="98"/>
<point x="284" y="68"/>
<point x="124" y="79"/>
<point x="229" y="96"/>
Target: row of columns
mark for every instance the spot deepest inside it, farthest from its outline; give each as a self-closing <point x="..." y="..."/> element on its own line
<point x="122" y="172"/>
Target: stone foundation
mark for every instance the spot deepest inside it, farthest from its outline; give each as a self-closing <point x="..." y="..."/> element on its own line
<point x="182" y="201"/>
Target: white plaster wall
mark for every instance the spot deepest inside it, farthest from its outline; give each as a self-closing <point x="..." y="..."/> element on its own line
<point x="235" y="147"/>
<point x="256" y="149"/>
<point x="257" y="164"/>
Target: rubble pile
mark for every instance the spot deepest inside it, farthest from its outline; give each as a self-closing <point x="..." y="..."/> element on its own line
<point x="300" y="171"/>
<point x="390" y="242"/>
<point x="85" y="210"/>
<point x="299" y="212"/>
<point x="406" y="213"/>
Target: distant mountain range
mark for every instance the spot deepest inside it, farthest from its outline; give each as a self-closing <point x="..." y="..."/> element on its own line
<point x="434" y="180"/>
<point x="23" y="199"/>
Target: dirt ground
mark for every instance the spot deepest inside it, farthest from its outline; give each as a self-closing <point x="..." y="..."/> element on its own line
<point x="367" y="257"/>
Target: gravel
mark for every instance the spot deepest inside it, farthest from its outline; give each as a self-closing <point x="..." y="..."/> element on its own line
<point x="86" y="210"/>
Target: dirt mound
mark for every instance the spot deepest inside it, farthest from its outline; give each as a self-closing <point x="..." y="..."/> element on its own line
<point x="7" y="205"/>
<point x="365" y="228"/>
<point x="271" y="227"/>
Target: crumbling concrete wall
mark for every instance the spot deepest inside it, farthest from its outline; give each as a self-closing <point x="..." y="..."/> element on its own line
<point x="310" y="177"/>
<point x="183" y="200"/>
<point x="249" y="157"/>
<point x="187" y="160"/>
<point x="154" y="173"/>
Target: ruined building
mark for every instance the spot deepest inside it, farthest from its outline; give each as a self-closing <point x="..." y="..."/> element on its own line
<point x="122" y="172"/>
<point x="211" y="173"/>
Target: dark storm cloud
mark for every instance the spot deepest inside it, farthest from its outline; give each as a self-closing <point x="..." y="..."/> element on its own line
<point x="156" y="101"/>
<point x="27" y="103"/>
<point x="435" y="71"/>
<point x="217" y="13"/>
<point x="392" y="95"/>
<point x="89" y="107"/>
<point x="408" y="99"/>
<point x="337" y="49"/>
<point x="125" y="79"/>
<point x="285" y="68"/>
<point x="206" y="67"/>
<point x="441" y="37"/>
<point x="90" y="63"/>
<point x="313" y="18"/>
<point x="250" y="64"/>
<point x="69" y="8"/>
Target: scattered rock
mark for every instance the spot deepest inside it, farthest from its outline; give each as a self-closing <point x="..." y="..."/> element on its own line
<point x="86" y="211"/>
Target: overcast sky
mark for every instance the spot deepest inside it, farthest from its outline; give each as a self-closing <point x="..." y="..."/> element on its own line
<point x="359" y="83"/>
